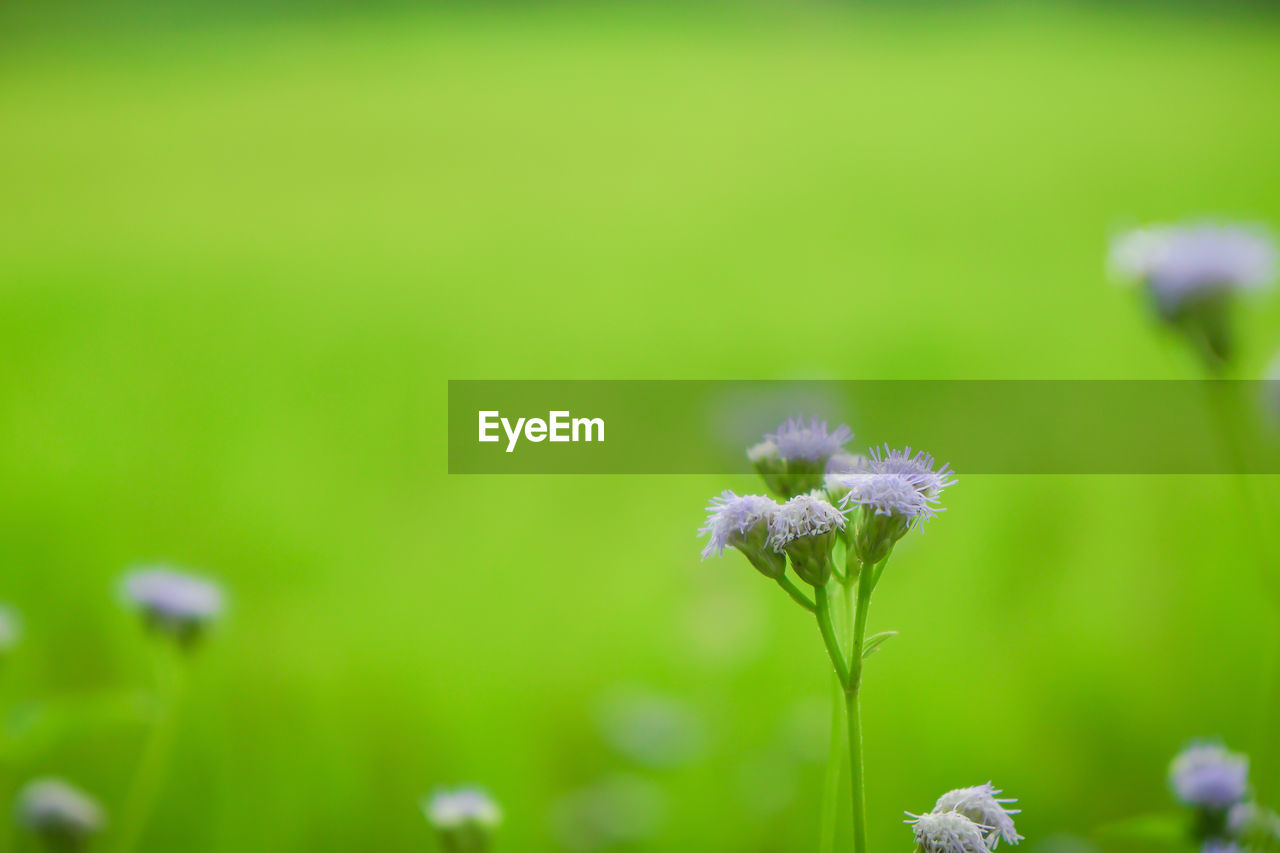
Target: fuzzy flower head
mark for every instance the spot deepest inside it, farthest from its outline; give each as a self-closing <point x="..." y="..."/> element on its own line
<point x="896" y="489"/>
<point x="1191" y="272"/>
<point x="743" y="522"/>
<point x="464" y="818"/>
<point x="10" y="628"/>
<point x="1209" y="776"/>
<point x="948" y="832"/>
<point x="1181" y="264"/>
<point x="805" y="529"/>
<point x="174" y="603"/>
<point x="796" y="439"/>
<point x="58" y="812"/>
<point x="983" y="805"/>
<point x="793" y="460"/>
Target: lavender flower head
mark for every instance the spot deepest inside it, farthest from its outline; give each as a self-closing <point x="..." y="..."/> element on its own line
<point x="461" y="808"/>
<point x="948" y="832"/>
<point x="793" y="459"/>
<point x="797" y="440"/>
<point x="892" y="482"/>
<point x="743" y="522"/>
<point x="58" y="811"/>
<point x="895" y="488"/>
<point x="1182" y="264"/>
<point x="731" y="516"/>
<point x="174" y="602"/>
<point x="805" y="529"/>
<point x="10" y="628"/>
<point x="983" y="806"/>
<point x="1210" y="776"/>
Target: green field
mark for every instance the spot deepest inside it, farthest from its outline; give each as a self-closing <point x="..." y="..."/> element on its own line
<point x="239" y="261"/>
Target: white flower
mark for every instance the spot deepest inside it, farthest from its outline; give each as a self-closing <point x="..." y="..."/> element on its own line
<point x="1209" y="775"/>
<point x="803" y="515"/>
<point x="462" y="807"/>
<point x="1182" y="263"/>
<point x="982" y="805"/>
<point x="797" y="440"/>
<point x="53" y="808"/>
<point x="731" y="516"/>
<point x="948" y="832"/>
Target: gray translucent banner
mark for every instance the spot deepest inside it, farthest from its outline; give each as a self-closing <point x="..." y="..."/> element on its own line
<point x="980" y="426"/>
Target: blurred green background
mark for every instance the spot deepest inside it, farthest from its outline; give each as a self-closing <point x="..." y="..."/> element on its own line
<point x="241" y="252"/>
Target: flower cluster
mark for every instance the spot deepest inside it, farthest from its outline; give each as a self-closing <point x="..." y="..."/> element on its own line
<point x="463" y="818"/>
<point x="834" y="518"/>
<point x="868" y="501"/>
<point x="966" y="820"/>
<point x="1191" y="273"/>
<point x="1214" y="782"/>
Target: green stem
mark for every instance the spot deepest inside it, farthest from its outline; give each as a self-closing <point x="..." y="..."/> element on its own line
<point x="828" y="631"/>
<point x="796" y="594"/>
<point x="835" y="768"/>
<point x="853" y="710"/>
<point x="149" y="777"/>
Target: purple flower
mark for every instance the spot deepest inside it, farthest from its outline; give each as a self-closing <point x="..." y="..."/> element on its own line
<point x="1210" y="776"/>
<point x="174" y="602"/>
<point x="1182" y="264"/>
<point x="797" y="440"/>
<point x="730" y="517"/>
<point x="892" y="482"/>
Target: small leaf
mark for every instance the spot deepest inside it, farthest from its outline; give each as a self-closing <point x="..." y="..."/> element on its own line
<point x="873" y="642"/>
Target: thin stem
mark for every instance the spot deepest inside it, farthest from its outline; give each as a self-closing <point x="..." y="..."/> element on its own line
<point x="854" y="715"/>
<point x="149" y="777"/>
<point x="853" y="709"/>
<point x="828" y="631"/>
<point x="796" y="594"/>
<point x="835" y="768"/>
